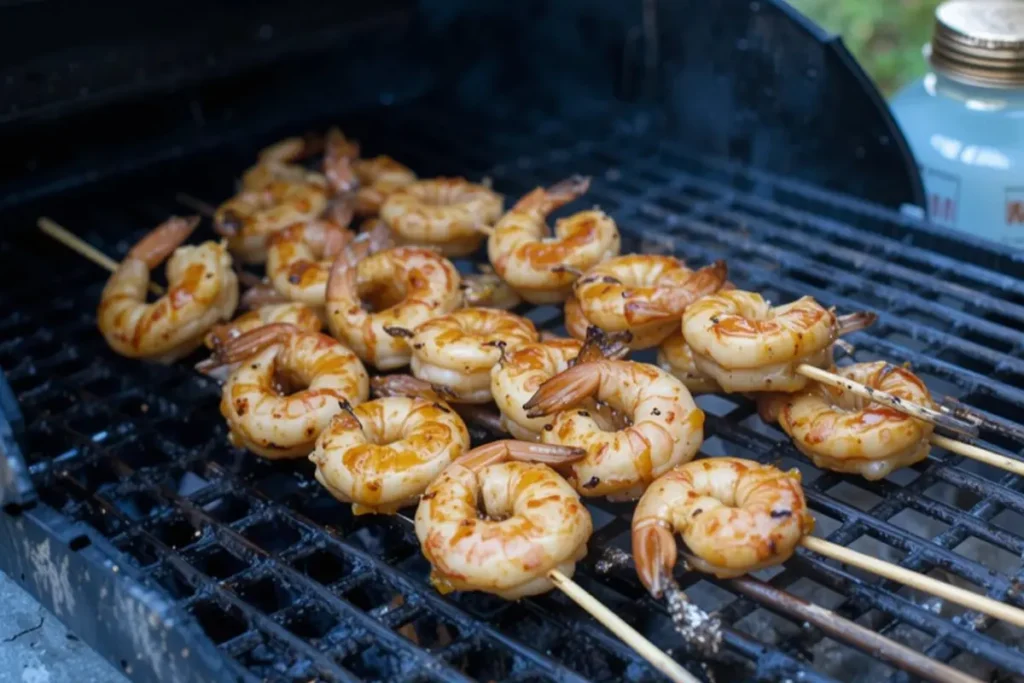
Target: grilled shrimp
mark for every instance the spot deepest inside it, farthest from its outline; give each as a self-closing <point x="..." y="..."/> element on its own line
<point x="379" y="178"/>
<point x="340" y="157"/>
<point x="202" y="291"/>
<point x="840" y="431"/>
<point x="446" y="213"/>
<point x="533" y="521"/>
<point x="458" y="350"/>
<point x="487" y="290"/>
<point x="735" y="516"/>
<point x="676" y="357"/>
<point x="382" y="455"/>
<point x="263" y="412"/>
<point x="299" y="259"/>
<point x="277" y="163"/>
<point x="249" y="218"/>
<point x="745" y="344"/>
<point x="405" y="285"/>
<point x="519" y="374"/>
<point x="542" y="268"/>
<point x="666" y="427"/>
<point x="644" y="294"/>
<point x="301" y="316"/>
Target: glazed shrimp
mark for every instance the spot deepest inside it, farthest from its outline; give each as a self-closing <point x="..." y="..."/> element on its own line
<point x="301" y="316"/>
<point x="745" y="344"/>
<point x="736" y="516"/>
<point x="249" y="218"/>
<point x="458" y="350"/>
<point x="299" y="260"/>
<point x="446" y="213"/>
<point x="533" y="521"/>
<point x="277" y="163"/>
<point x="202" y="291"/>
<point x="262" y="412"/>
<point x="379" y="178"/>
<point x="840" y="431"/>
<point x="486" y="289"/>
<point x="406" y="286"/>
<point x="645" y="294"/>
<point x="519" y="374"/>
<point x="666" y="427"/>
<point x="381" y="456"/>
<point x="541" y="268"/>
<point x="676" y="357"/>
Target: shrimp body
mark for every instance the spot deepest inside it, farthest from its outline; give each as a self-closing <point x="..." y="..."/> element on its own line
<point x="443" y="212"/>
<point x="641" y="336"/>
<point x="262" y="415"/>
<point x="487" y="290"/>
<point x="299" y="260"/>
<point x="406" y="285"/>
<point x="277" y="163"/>
<point x="379" y="178"/>
<point x="519" y="374"/>
<point x="382" y="455"/>
<point x="745" y="344"/>
<point x="676" y="357"/>
<point x="666" y="427"/>
<point x="202" y="291"/>
<point x="735" y="516"/>
<point x="533" y="522"/>
<point x="458" y="350"/>
<point x="840" y="431"/>
<point x="542" y="268"/>
<point x="301" y="316"/>
<point x="644" y="294"/>
<point x="249" y="218"/>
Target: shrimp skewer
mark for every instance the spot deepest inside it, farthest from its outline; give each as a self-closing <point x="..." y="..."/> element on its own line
<point x="202" y="291"/>
<point x="381" y="455"/>
<point x="665" y="430"/>
<point x="271" y="420"/>
<point x="541" y="268"/>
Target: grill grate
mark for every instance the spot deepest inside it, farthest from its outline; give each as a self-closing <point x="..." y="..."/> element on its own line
<point x="290" y="586"/>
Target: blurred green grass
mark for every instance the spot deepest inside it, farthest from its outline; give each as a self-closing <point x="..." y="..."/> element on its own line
<point x="886" y="36"/>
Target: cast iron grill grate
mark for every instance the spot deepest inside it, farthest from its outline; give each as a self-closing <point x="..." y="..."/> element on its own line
<point x="290" y="586"/>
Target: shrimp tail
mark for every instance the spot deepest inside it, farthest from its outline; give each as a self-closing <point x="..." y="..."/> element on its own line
<point x="162" y="240"/>
<point x="485" y="417"/>
<point x="339" y="154"/>
<point x="245" y="345"/>
<point x="375" y="236"/>
<point x="546" y="200"/>
<point x="260" y="295"/>
<point x="505" y="450"/>
<point x="600" y="344"/>
<point x="340" y="211"/>
<point x="341" y="281"/>
<point x="655" y="552"/>
<point x="411" y="387"/>
<point x="565" y="390"/>
<point x="672" y="303"/>
<point x="852" y="322"/>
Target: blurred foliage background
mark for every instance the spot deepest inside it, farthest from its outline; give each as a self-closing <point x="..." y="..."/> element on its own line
<point x="886" y="36"/>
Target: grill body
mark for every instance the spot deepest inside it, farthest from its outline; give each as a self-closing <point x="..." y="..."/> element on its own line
<point x="127" y="514"/>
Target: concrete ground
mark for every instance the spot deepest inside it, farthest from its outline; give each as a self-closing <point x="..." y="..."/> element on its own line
<point x="36" y="648"/>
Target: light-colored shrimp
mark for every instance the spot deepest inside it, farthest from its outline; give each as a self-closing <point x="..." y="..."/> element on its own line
<point x="379" y="178"/>
<point x="382" y="455"/>
<point x="202" y="291"/>
<point x="487" y="290"/>
<point x="340" y="157"/>
<point x="541" y="268"/>
<point x="405" y="286"/>
<point x="746" y="344"/>
<point x="518" y="375"/>
<point x="301" y="316"/>
<point x="666" y="426"/>
<point x="644" y="294"/>
<point x="458" y="350"/>
<point x="277" y="163"/>
<point x="840" y="431"/>
<point x="249" y="218"/>
<point x="299" y="259"/>
<point x="736" y="516"/>
<point x="446" y="213"/>
<point x="676" y="357"/>
<point x="533" y="522"/>
<point x="263" y="412"/>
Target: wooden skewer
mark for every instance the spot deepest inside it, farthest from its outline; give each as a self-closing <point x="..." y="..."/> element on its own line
<point x="896" y="403"/>
<point x="978" y="453"/>
<point x="197" y="205"/>
<point x="614" y="623"/>
<point x="916" y="580"/>
<point x="75" y="243"/>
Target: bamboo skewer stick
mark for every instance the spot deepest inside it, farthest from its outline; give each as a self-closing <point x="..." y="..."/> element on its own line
<point x="197" y="205"/>
<point x="916" y="580"/>
<point x="614" y="623"/>
<point x="922" y="413"/>
<point x="851" y="632"/>
<point x="77" y="244"/>
<point x="896" y="403"/>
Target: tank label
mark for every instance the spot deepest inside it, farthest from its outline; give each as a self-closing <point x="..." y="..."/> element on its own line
<point x="943" y="196"/>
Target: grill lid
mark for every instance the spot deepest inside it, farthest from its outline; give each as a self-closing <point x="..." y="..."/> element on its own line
<point x="980" y="41"/>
